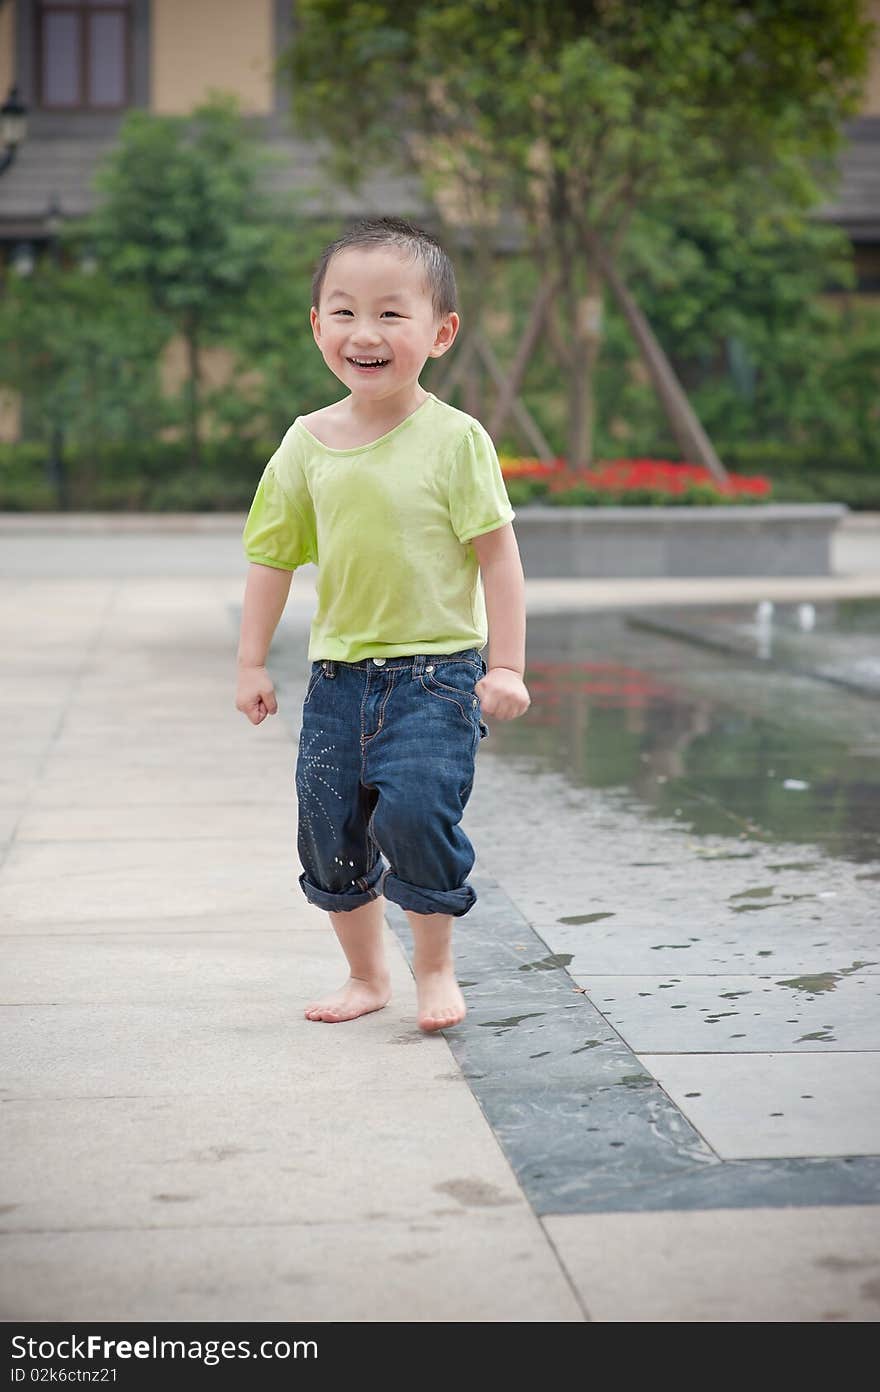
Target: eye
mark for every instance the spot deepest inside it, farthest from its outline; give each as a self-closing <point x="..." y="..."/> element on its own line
<point x="391" y="311"/>
<point x="342" y="311"/>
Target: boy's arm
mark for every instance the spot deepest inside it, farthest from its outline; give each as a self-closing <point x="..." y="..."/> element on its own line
<point x="265" y="595"/>
<point x="505" y="590"/>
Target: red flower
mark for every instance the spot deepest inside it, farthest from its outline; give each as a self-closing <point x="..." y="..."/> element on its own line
<point x="623" y="475"/>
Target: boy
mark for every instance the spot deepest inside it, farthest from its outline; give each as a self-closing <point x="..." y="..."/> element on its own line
<point x="399" y="501"/>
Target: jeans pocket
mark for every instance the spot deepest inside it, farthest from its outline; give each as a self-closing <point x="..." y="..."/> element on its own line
<point x="317" y="673"/>
<point x="454" y="683"/>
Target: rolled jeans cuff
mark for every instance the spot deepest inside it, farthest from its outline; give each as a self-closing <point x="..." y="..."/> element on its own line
<point x="428" y="901"/>
<point x="369" y="888"/>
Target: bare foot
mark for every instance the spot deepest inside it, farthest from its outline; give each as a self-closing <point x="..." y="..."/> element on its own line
<point x="441" y="1003"/>
<point x="356" y="998"/>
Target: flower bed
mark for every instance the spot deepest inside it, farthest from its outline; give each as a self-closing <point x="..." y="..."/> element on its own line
<point x="622" y="482"/>
<point x="650" y="517"/>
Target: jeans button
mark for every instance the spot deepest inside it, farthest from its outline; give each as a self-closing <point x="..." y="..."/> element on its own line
<point x="379" y="661"/>
<point x="429" y="669"/>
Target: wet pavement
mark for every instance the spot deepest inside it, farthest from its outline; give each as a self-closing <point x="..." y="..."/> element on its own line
<point x="673" y="968"/>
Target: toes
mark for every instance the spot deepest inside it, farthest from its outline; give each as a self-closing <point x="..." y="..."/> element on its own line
<point x="432" y="1023"/>
<point x="330" y="1014"/>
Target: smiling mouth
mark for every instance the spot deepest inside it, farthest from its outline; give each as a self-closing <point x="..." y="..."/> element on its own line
<point x="369" y="362"/>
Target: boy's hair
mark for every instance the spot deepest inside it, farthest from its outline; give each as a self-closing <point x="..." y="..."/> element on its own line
<point x="403" y="236"/>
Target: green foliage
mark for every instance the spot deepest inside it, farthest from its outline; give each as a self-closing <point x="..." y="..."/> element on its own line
<point x="713" y="126"/>
<point x="718" y="124"/>
<point x="181" y="213"/>
<point x="802" y="394"/>
<point x="682" y="89"/>
<point x="82" y="353"/>
<point x="24" y="483"/>
<point x="182" y="217"/>
<point x="271" y="341"/>
<point x="149" y="475"/>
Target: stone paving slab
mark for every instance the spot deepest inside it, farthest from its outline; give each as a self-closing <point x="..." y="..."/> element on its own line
<point x="311" y="919"/>
<point x="161" y="788"/>
<point x="57" y="880"/>
<point x="679" y="1015"/>
<point x="227" y="1159"/>
<point x="808" y="1265"/>
<point x="637" y="948"/>
<point x="774" y="1104"/>
<point x="481" y="1268"/>
<point x="243" y="964"/>
<point x="156" y="821"/>
<point x="145" y="1050"/>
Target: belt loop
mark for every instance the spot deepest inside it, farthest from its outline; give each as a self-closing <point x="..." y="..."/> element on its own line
<point x="330" y="666"/>
<point x="418" y="666"/>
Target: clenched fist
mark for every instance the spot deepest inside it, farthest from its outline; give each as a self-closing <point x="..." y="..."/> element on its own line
<point x="255" y="694"/>
<point x="503" y="693"/>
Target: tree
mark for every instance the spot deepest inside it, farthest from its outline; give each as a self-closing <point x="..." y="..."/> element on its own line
<point x="82" y="356"/>
<point x="564" y="118"/>
<point x="181" y="215"/>
<point x="278" y="370"/>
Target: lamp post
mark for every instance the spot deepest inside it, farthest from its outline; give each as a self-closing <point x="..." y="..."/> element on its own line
<point x="13" y="128"/>
<point x="55" y="470"/>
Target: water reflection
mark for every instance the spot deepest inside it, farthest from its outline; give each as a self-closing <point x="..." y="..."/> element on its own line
<point x="706" y="735"/>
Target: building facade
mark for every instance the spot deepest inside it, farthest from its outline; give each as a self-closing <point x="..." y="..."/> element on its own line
<point x="79" y="65"/>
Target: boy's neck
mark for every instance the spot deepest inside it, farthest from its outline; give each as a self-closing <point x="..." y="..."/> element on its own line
<point x="379" y="411"/>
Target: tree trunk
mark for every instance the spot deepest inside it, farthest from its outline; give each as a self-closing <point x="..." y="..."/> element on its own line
<point x="592" y="329"/>
<point x="191" y="332"/>
<point x="693" y="442"/>
<point x="530" y="428"/>
<point x="477" y="261"/>
<point x="587" y="337"/>
<point x="472" y="387"/>
<point x="463" y="352"/>
<point x="509" y="390"/>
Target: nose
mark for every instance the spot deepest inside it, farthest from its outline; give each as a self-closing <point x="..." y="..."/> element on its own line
<point x="365" y="336"/>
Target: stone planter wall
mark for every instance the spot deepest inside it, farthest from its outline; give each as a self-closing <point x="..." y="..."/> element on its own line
<point x="604" y="542"/>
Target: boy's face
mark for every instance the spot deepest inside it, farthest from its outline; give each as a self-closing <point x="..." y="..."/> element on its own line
<point x="375" y="305"/>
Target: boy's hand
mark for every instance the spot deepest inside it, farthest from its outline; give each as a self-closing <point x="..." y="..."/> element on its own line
<point x="503" y="693"/>
<point x="255" y="694"/>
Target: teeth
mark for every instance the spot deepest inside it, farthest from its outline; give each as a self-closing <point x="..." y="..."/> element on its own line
<point x="368" y="362"/>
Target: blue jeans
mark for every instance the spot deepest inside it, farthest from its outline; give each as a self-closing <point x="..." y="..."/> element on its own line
<point x="386" y="767"/>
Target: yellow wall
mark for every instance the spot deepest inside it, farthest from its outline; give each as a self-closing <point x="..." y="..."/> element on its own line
<point x="7" y="48"/>
<point x="202" y="44"/>
<point x="218" y="369"/>
<point x="10" y="415"/>
<point x="871" y="106"/>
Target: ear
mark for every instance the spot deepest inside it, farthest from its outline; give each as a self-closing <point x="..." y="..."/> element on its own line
<point x="316" y="325"/>
<point x="445" y="336"/>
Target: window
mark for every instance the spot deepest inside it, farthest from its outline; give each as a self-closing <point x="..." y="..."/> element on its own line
<point x="83" y="55"/>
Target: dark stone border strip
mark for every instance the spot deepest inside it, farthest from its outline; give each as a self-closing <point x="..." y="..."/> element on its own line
<point x="584" y="1126"/>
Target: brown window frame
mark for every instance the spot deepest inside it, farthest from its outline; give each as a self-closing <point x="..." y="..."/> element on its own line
<point x="85" y="11"/>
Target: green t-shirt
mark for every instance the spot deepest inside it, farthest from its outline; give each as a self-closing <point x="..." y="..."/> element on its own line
<point x="388" y="525"/>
